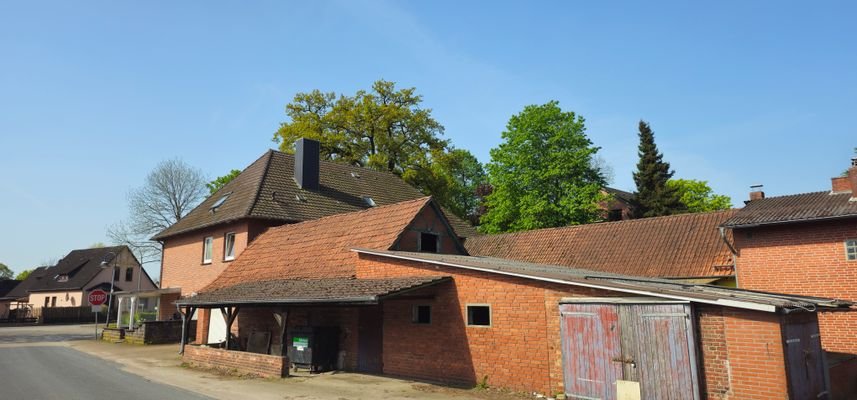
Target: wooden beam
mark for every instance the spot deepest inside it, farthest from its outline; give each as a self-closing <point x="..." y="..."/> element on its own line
<point x="284" y="323"/>
<point x="187" y="315"/>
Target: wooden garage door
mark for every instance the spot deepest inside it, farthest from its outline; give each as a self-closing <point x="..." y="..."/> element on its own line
<point x="619" y="351"/>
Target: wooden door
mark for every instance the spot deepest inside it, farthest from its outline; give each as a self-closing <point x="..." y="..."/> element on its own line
<point x="805" y="364"/>
<point x="647" y="351"/>
<point x="369" y="340"/>
<point x="590" y="343"/>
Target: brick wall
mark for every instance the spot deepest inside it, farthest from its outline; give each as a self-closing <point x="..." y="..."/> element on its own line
<point x="756" y="359"/>
<point x="714" y="352"/>
<point x="183" y="267"/>
<point x="805" y="259"/>
<point x="262" y="365"/>
<point x="521" y="349"/>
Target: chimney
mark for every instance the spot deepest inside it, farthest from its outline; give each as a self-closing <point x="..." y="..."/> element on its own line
<point x="306" y="163"/>
<point x="756" y="192"/>
<point x="847" y="182"/>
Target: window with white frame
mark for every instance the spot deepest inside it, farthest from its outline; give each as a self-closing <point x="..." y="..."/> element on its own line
<point x="207" y="248"/>
<point x="851" y="250"/>
<point x="229" y="246"/>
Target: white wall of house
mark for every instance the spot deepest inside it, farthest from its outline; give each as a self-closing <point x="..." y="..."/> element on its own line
<point x="63" y="299"/>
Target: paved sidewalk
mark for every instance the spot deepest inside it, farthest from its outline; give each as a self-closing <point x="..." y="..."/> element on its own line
<point x="161" y="363"/>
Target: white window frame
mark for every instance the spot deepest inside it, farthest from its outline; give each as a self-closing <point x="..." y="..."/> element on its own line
<point x="467" y="315"/>
<point x="207" y="247"/>
<point x="850" y="249"/>
<point x="226" y="255"/>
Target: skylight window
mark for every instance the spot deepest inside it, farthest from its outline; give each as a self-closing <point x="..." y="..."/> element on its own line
<point x="220" y="201"/>
<point x="369" y="202"/>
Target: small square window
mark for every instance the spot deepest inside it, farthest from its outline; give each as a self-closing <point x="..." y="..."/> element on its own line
<point x="229" y="246"/>
<point x="421" y="315"/>
<point x="479" y="315"/>
<point x="851" y="250"/>
<point x="428" y="242"/>
<point x="207" y="247"/>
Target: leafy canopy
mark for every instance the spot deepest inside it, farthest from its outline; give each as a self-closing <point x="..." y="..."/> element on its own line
<point x="543" y="174"/>
<point x="697" y="196"/>
<point x="23" y="274"/>
<point x="653" y="197"/>
<point x="6" y="272"/>
<point x="221" y="181"/>
<point x="385" y="129"/>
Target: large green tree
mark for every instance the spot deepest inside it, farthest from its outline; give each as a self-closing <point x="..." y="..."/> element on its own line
<point x="6" y="272"/>
<point x="697" y="196"/>
<point x="654" y="197"/>
<point x="386" y="129"/>
<point x="543" y="174"/>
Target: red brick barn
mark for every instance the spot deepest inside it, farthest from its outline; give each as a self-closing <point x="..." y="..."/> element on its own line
<point x="391" y="290"/>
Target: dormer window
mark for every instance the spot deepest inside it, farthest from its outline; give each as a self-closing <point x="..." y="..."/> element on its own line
<point x="429" y="242"/>
<point x="219" y="202"/>
<point x="62" y="278"/>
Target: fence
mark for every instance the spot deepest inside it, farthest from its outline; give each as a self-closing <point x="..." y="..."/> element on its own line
<point x="70" y="315"/>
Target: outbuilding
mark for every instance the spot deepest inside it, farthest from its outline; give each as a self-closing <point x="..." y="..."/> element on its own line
<point x="394" y="292"/>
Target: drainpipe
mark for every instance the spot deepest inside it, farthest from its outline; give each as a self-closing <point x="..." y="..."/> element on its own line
<point x="734" y="254"/>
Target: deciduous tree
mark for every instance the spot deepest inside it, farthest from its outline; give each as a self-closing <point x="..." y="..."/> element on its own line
<point x="6" y="272"/>
<point x="386" y="129"/>
<point x="543" y="174"/>
<point x="23" y="274"/>
<point x="221" y="181"/>
<point x="697" y="196"/>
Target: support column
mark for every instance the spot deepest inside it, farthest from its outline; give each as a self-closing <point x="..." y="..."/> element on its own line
<point x="187" y="316"/>
<point x="229" y="314"/>
<point x="118" y="311"/>
<point x="132" y="312"/>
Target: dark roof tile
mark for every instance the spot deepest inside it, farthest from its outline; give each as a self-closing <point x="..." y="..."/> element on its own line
<point x="794" y="208"/>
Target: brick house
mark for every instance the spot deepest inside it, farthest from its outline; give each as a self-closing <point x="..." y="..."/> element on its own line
<point x="402" y="297"/>
<point x="276" y="189"/>
<point x="688" y="247"/>
<point x="804" y="244"/>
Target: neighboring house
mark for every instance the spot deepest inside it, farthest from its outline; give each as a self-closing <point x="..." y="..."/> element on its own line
<point x="6" y="300"/>
<point x="392" y="290"/>
<point x="804" y="244"/>
<point x="620" y="207"/>
<point x="276" y="189"/>
<point x="685" y="246"/>
<point x="68" y="283"/>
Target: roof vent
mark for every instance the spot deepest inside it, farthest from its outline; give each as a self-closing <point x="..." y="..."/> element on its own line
<point x="300" y="197"/>
<point x="369" y="202"/>
<point x="354" y="174"/>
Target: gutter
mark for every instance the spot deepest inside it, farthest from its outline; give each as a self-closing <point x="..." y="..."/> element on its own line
<point x="368" y="300"/>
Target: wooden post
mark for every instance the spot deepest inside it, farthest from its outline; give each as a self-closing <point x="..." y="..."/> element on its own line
<point x="186" y="318"/>
<point x="229" y="314"/>
<point x="284" y="322"/>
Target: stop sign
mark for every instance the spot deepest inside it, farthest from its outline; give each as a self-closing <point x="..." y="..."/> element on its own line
<point x="97" y="297"/>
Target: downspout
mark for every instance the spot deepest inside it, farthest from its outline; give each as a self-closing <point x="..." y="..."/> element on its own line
<point x="734" y="254"/>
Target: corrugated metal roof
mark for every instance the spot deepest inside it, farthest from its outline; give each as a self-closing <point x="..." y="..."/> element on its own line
<point x="311" y="291"/>
<point x="794" y="208"/>
<point x="629" y="284"/>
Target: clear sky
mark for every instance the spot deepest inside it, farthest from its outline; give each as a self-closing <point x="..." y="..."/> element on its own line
<point x="94" y="94"/>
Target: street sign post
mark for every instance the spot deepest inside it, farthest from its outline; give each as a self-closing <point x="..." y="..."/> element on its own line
<point x="97" y="298"/>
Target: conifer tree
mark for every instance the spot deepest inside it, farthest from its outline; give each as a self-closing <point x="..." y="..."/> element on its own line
<point x="654" y="197"/>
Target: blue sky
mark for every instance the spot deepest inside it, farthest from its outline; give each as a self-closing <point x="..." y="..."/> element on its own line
<point x="93" y="95"/>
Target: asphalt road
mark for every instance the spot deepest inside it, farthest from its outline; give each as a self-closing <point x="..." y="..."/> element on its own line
<point x="31" y="368"/>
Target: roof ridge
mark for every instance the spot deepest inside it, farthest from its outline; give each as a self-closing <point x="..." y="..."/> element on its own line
<point x="264" y="176"/>
<point x="610" y="223"/>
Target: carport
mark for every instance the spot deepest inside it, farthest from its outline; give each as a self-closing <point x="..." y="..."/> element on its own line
<point x="269" y="311"/>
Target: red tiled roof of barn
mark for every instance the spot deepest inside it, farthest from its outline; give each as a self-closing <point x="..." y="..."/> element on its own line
<point x="678" y="246"/>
